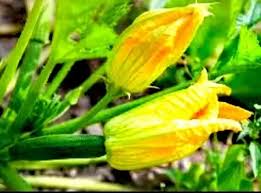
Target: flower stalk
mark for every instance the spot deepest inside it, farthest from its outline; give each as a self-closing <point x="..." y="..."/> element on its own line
<point x="75" y="124"/>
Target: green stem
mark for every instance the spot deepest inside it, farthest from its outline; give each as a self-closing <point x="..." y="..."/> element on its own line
<point x="25" y="76"/>
<point x="41" y="33"/>
<point x="75" y="124"/>
<point x="12" y="179"/>
<point x="94" y="77"/>
<point x="52" y="164"/>
<point x="33" y="93"/>
<point x="114" y="111"/>
<point x="84" y="184"/>
<point x="15" y="128"/>
<point x="111" y="112"/>
<point x="16" y="54"/>
<point x="59" y="78"/>
<point x="31" y="57"/>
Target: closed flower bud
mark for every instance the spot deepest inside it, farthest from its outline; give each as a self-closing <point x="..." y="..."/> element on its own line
<point x="155" y="40"/>
<point x="170" y="127"/>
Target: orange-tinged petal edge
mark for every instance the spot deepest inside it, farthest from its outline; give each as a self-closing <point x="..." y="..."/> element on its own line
<point x="229" y="111"/>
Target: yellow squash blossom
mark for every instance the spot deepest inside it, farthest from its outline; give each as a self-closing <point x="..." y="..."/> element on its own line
<point x="170" y="127"/>
<point x="155" y="40"/>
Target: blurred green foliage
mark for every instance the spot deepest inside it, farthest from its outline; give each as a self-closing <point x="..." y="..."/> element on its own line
<point x="83" y="32"/>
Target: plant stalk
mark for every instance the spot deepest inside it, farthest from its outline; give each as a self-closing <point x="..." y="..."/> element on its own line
<point x="111" y="112"/>
<point x="59" y="78"/>
<point x="52" y="164"/>
<point x="13" y="59"/>
<point x="15" y="129"/>
<point x="12" y="179"/>
<point x="94" y="77"/>
<point x="73" y="125"/>
<point x="31" y="57"/>
<point x="84" y="184"/>
<point x="114" y="111"/>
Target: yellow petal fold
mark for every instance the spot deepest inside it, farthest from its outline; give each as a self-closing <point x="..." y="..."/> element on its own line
<point x="170" y="127"/>
<point x="155" y="40"/>
<point x="183" y="104"/>
<point x="156" y="145"/>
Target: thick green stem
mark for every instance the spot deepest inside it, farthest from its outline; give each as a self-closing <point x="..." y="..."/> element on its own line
<point x="59" y="78"/>
<point x="52" y="164"/>
<point x="15" y="56"/>
<point x="84" y="184"/>
<point x="114" y="111"/>
<point x="75" y="124"/>
<point x="60" y="146"/>
<point x="12" y="179"/>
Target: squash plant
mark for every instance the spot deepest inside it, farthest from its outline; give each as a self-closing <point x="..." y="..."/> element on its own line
<point x="154" y="129"/>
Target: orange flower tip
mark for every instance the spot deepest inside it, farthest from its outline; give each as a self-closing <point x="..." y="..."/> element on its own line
<point x="237" y="113"/>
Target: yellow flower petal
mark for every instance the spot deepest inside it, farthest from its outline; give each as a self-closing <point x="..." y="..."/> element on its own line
<point x="170" y="127"/>
<point x="210" y="111"/>
<point x="229" y="111"/>
<point x="161" y="143"/>
<point x="155" y="40"/>
<point x="183" y="104"/>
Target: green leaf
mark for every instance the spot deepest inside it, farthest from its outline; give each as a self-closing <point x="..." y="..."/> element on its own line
<point x="175" y="175"/>
<point x="229" y="179"/>
<point x="186" y="180"/>
<point x="241" y="54"/>
<point x="84" y="28"/>
<point x="232" y="170"/>
<point x="241" y="64"/>
<point x="192" y="176"/>
<point x="244" y="85"/>
<point x="246" y="185"/>
<point x="255" y="153"/>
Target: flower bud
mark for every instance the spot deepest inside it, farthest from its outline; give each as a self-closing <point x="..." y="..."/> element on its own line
<point x="170" y="127"/>
<point x="155" y="40"/>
